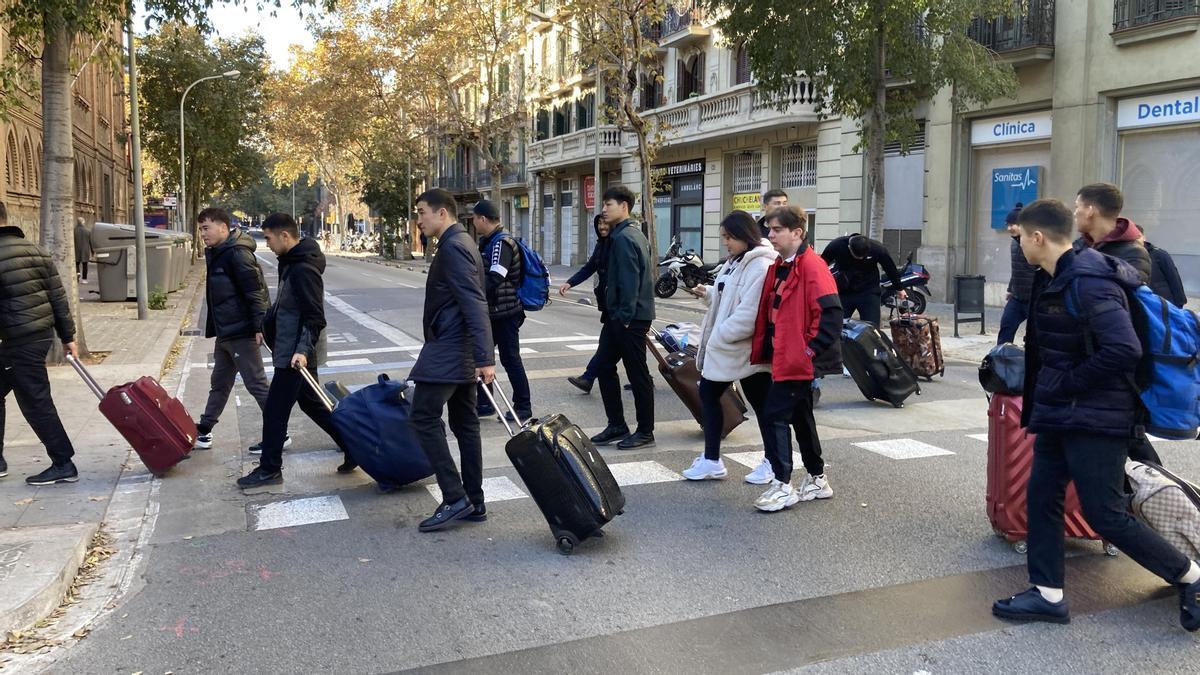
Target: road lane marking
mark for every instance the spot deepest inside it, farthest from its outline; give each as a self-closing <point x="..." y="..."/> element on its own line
<point x="385" y="330"/>
<point x="527" y="350"/>
<point x="979" y="437"/>
<point x="540" y="323"/>
<point x="495" y="489"/>
<point x="584" y="348"/>
<point x="296" y="512"/>
<point x="346" y="362"/>
<point x="642" y="473"/>
<point x="903" y="448"/>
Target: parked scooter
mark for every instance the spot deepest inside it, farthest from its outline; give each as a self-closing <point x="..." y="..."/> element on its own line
<point x="682" y="267"/>
<point x="914" y="279"/>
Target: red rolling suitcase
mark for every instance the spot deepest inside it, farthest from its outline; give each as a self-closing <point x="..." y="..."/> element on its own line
<point x="156" y="424"/>
<point x="1010" y="461"/>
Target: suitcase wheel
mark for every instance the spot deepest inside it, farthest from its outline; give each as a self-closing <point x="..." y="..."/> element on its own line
<point x="1021" y="547"/>
<point x="567" y="543"/>
<point x="1111" y="550"/>
<point x="898" y="405"/>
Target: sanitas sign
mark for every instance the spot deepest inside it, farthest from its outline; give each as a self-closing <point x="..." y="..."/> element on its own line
<point x="1149" y="111"/>
<point x="1010" y="129"/>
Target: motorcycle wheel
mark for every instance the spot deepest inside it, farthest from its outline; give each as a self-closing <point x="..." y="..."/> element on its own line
<point x="666" y="286"/>
<point x="918" y="300"/>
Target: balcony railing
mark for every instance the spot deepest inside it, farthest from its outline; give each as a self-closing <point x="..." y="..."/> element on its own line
<point x="575" y="147"/>
<point x="1133" y="13"/>
<point x="675" y="21"/>
<point x="733" y="110"/>
<point x="454" y="183"/>
<point x="514" y="174"/>
<point x="1030" y="25"/>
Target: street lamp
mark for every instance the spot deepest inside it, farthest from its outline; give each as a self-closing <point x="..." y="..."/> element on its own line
<point x="231" y="74"/>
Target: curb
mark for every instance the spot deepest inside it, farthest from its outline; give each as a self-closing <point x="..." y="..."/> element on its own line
<point x="45" y="597"/>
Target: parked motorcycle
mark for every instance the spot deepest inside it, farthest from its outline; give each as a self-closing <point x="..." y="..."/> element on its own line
<point x="684" y="267"/>
<point x="914" y="279"/>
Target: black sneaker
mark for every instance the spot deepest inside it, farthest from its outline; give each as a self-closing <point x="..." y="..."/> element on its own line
<point x="60" y="473"/>
<point x="478" y="514"/>
<point x="260" y="477"/>
<point x="348" y="465"/>
<point x="610" y="435"/>
<point x="1189" y="606"/>
<point x="637" y="439"/>
<point x="582" y="383"/>
<point x="1030" y="605"/>
<point x="256" y="449"/>
<point x="446" y="514"/>
<point x="3" y="467"/>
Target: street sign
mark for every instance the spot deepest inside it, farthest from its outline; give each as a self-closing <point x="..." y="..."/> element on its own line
<point x="589" y="192"/>
<point x="170" y="201"/>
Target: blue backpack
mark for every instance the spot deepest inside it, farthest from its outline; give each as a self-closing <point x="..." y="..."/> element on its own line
<point x="534" y="290"/>
<point x="1167" y="378"/>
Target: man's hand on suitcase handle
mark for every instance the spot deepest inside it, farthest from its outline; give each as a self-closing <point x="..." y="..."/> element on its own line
<point x="72" y="349"/>
<point x="299" y="361"/>
<point x="486" y="374"/>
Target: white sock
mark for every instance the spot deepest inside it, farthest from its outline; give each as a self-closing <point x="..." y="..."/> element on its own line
<point x="1192" y="575"/>
<point x="1054" y="595"/>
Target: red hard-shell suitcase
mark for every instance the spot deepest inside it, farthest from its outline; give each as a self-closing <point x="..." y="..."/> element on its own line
<point x="1010" y="461"/>
<point x="156" y="424"/>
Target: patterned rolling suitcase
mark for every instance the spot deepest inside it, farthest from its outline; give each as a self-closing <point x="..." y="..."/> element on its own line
<point x="679" y="370"/>
<point x="919" y="343"/>
<point x="1167" y="503"/>
<point x="156" y="424"/>
<point x="564" y="473"/>
<point x="1009" y="463"/>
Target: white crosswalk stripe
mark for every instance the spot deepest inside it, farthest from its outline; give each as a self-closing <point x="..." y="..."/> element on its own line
<point x="642" y="473"/>
<point x="296" y="512"/>
<point x="495" y="489"/>
<point x="979" y="437"/>
<point x="903" y="448"/>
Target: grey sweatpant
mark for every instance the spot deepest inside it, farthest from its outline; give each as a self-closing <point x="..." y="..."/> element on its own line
<point x="230" y="358"/>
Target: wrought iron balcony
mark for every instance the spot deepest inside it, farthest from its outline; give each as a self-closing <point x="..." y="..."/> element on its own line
<point x="1134" y="13"/>
<point x="1030" y="27"/>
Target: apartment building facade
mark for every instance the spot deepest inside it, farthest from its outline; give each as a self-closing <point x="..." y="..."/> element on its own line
<point x="102" y="179"/>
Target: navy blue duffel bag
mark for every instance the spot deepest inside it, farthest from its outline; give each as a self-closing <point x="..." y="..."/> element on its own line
<point x="373" y="422"/>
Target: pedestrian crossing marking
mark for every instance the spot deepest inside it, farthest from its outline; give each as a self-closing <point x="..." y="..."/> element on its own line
<point x="903" y="448"/>
<point x="979" y="437"/>
<point x="346" y="362"/>
<point x="642" y="473"/>
<point x="296" y="512"/>
<point x="495" y="489"/>
<point x="751" y="460"/>
<point x="583" y="348"/>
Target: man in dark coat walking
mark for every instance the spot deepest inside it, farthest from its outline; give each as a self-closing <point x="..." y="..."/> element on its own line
<point x="458" y="353"/>
<point x="1081" y="352"/>
<point x="83" y="250"/>
<point x="1020" y="282"/>
<point x="597" y="264"/>
<point x="33" y="308"/>
<point x="1164" y="276"/>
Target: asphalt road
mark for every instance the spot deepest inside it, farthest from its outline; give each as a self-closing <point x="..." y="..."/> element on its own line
<point x="895" y="574"/>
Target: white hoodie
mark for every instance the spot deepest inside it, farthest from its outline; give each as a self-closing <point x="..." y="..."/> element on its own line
<point x="728" y="329"/>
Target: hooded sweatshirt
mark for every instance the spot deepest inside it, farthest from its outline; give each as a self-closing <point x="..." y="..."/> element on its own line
<point x="1121" y="243"/>
<point x="295" y="324"/>
<point x="597" y="264"/>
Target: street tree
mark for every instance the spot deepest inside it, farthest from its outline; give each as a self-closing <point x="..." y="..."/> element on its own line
<point x="874" y="60"/>
<point x="618" y="38"/>
<point x="389" y="184"/>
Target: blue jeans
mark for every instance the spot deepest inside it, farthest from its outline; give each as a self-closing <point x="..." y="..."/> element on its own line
<point x="1016" y="312"/>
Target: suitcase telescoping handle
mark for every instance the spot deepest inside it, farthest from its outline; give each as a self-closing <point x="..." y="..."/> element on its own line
<point x="487" y="391"/>
<point x="87" y="377"/>
<point x="312" y="383"/>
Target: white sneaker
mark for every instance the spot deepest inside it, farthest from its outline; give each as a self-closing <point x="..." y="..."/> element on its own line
<point x="777" y="497"/>
<point x="815" y="487"/>
<point x="705" y="469"/>
<point x="845" y="371"/>
<point x="203" y="441"/>
<point x="762" y="474"/>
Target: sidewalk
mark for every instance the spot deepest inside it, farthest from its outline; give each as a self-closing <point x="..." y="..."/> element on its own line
<point x="45" y="532"/>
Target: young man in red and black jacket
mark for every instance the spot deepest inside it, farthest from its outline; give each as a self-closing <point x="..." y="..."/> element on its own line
<point x="799" y="318"/>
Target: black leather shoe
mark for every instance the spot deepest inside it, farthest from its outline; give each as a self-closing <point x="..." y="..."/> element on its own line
<point x="581" y="383"/>
<point x="260" y="477"/>
<point x="635" y="440"/>
<point x="59" y="473"/>
<point x="1032" y="606"/>
<point x="1189" y="606"/>
<point x="610" y="435"/>
<point x="478" y="514"/>
<point x="3" y="468"/>
<point x="347" y="466"/>
<point x="446" y="514"/>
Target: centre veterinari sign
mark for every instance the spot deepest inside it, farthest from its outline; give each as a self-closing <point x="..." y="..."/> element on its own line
<point x="1012" y="185"/>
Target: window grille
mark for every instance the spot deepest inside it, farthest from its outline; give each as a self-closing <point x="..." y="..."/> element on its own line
<point x="747" y="172"/>
<point x="798" y="166"/>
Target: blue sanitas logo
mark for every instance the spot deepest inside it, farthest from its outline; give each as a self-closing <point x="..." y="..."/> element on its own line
<point x="1015" y="179"/>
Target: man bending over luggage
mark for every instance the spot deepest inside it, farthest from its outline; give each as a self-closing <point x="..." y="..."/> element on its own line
<point x="458" y="353"/>
<point x="294" y="328"/>
<point x="237" y="299"/>
<point x="1080" y="353"/>
<point x="33" y="308"/>
<point x="858" y="261"/>
<point x="799" y="319"/>
<point x="504" y="272"/>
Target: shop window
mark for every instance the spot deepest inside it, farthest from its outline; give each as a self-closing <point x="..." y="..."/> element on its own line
<point x="747" y="172"/>
<point x="798" y="166"/>
<point x="741" y="66"/>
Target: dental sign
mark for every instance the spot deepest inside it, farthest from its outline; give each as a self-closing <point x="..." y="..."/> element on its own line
<point x="1011" y="129"/>
<point x="1161" y="109"/>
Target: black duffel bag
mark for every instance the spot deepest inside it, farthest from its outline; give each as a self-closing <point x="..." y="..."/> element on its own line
<point x="1003" y="370"/>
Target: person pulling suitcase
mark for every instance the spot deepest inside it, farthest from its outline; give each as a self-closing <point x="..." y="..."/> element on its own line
<point x="723" y="356"/>
<point x="799" y="319"/>
<point x="33" y="309"/>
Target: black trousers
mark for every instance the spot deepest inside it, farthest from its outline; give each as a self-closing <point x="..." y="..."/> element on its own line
<point x="507" y="334"/>
<point x="865" y="302"/>
<point x="287" y="389"/>
<point x="81" y="269"/>
<point x="23" y="372"/>
<point x="1096" y="464"/>
<point x="789" y="406"/>
<point x="754" y="388"/>
<point x="428" y="401"/>
<point x="628" y="345"/>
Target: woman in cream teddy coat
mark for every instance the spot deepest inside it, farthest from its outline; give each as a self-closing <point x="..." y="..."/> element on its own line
<point x="724" y="354"/>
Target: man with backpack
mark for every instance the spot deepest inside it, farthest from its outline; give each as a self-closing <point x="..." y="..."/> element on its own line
<point x="1164" y="276"/>
<point x="1080" y="399"/>
<point x="502" y="259"/>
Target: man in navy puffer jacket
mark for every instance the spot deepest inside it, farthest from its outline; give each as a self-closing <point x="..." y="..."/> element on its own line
<point x="1081" y="352"/>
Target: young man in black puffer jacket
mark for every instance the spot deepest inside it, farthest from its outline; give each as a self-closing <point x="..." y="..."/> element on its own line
<point x="33" y="308"/>
<point x="294" y="328"/>
<point x="502" y="260"/>
<point x="237" y="299"/>
<point x="1080" y="356"/>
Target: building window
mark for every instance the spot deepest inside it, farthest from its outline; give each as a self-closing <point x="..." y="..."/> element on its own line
<point x="542" y="125"/>
<point x="741" y="66"/>
<point x="27" y="180"/>
<point x="652" y="91"/>
<point x="798" y="166"/>
<point x="747" y="172"/>
<point x="562" y="120"/>
<point x="12" y="169"/>
<point x="1131" y="13"/>
<point x="562" y="58"/>
<point x="585" y="112"/>
<point x="690" y="77"/>
<point x="502" y="79"/>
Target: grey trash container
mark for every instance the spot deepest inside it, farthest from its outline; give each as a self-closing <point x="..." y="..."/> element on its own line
<point x="181" y="257"/>
<point x="112" y="246"/>
<point x="159" y="270"/>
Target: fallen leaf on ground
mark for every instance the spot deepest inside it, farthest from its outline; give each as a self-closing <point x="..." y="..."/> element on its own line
<point x="23" y="502"/>
<point x="364" y="560"/>
<point x="97" y="499"/>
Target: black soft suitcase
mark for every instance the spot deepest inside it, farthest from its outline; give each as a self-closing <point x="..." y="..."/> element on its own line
<point x="875" y="365"/>
<point x="565" y="475"/>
